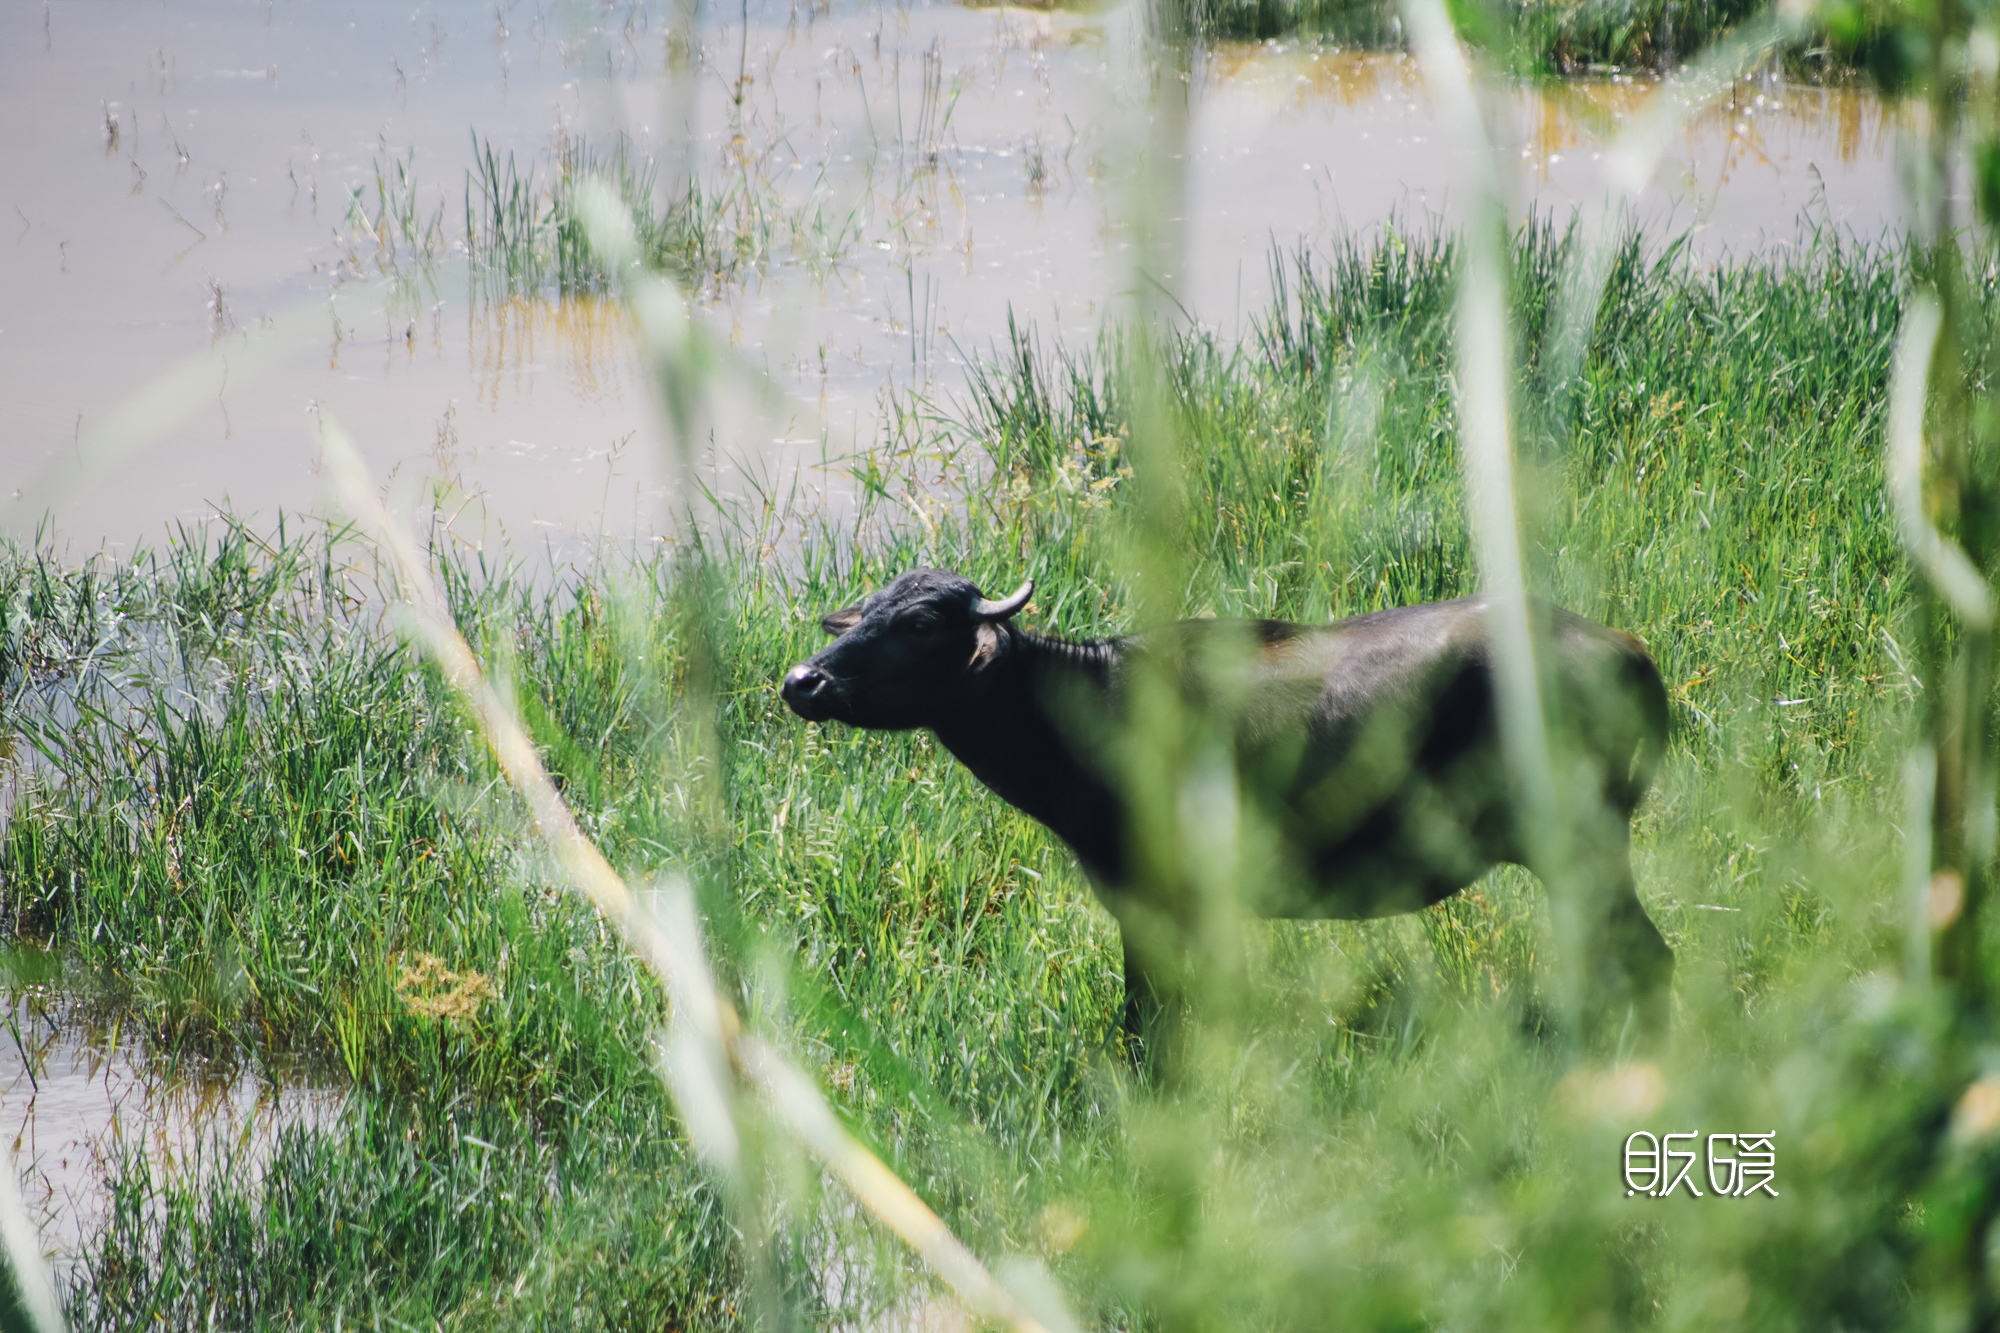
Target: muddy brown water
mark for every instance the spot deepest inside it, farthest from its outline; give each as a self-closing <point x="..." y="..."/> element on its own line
<point x="77" y="1089"/>
<point x="243" y="128"/>
<point x="175" y="176"/>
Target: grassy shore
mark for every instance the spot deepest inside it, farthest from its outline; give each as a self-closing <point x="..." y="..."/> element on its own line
<point x="1546" y="37"/>
<point x="255" y="821"/>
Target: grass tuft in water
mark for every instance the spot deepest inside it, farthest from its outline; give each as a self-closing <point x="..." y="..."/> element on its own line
<point x="522" y="233"/>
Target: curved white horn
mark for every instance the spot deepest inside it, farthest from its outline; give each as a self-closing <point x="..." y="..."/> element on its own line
<point x="1000" y="610"/>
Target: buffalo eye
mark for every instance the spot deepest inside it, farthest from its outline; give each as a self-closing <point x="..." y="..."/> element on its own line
<point x="924" y="622"/>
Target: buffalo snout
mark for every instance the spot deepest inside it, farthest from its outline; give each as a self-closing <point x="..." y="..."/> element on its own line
<point x="808" y="690"/>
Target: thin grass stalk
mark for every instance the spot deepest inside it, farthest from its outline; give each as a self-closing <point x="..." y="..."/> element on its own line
<point x="1942" y="560"/>
<point x="1485" y="421"/>
<point x="682" y="372"/>
<point x="1158" y="202"/>
<point x="1939" y="881"/>
<point x="738" y="1065"/>
<point x="1181" y="930"/>
<point x="1950" y="528"/>
<point x="1919" y="792"/>
<point x="27" y="1297"/>
<point x="1182" y="923"/>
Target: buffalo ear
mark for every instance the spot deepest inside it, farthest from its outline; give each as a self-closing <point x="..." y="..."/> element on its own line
<point x="841" y="621"/>
<point x="986" y="642"/>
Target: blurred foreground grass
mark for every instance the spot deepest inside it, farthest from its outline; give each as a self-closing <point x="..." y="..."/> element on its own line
<point x="244" y="813"/>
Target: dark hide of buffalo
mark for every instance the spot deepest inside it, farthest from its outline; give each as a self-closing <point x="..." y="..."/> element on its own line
<point x="1371" y="745"/>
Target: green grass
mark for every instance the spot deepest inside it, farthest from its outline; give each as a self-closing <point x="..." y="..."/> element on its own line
<point x="404" y="1212"/>
<point x="521" y="232"/>
<point x="1540" y="37"/>
<point x="252" y="810"/>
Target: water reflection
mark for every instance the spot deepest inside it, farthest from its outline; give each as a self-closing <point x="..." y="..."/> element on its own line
<point x="1759" y="121"/>
<point x="1846" y="124"/>
<point x="1314" y="79"/>
<point x="78" y="1090"/>
<point x="581" y="345"/>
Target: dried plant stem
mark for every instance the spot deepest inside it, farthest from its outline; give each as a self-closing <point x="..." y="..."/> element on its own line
<point x="795" y="1101"/>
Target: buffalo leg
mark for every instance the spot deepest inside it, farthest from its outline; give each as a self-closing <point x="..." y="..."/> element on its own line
<point x="1148" y="1019"/>
<point x="1142" y="1001"/>
<point x="1628" y="966"/>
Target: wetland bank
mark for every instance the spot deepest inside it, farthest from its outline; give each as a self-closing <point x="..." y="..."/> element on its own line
<point x="256" y="855"/>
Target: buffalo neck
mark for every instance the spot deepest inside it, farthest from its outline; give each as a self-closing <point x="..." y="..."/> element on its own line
<point x="1052" y="662"/>
<point x="1040" y="675"/>
<point x="1026" y="735"/>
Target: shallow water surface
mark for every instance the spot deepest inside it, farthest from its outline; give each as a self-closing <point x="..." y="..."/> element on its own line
<point x="901" y="182"/>
<point x="77" y="1090"/>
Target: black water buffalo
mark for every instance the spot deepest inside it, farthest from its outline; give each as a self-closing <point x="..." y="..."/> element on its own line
<point x="1371" y="745"/>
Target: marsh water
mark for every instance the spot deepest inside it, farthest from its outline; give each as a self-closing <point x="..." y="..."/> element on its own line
<point x="78" y="1088"/>
<point x="180" y="177"/>
<point x="177" y="176"/>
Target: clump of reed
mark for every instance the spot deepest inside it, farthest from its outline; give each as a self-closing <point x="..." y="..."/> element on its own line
<point x="522" y="233"/>
<point x="1560" y="38"/>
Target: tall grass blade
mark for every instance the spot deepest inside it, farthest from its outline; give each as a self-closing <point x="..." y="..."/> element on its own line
<point x="1944" y="563"/>
<point x="676" y="962"/>
<point x="27" y="1297"/>
<point x="1485" y="417"/>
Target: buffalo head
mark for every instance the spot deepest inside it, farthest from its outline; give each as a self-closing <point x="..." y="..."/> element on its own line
<point x="909" y="656"/>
